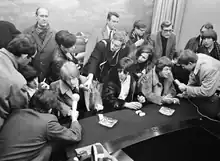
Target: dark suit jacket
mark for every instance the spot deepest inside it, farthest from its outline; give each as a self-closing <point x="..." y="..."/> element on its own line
<point x="26" y="135"/>
<point x="45" y="51"/>
<point x="7" y="33"/>
<point x="170" y="48"/>
<point x="101" y="60"/>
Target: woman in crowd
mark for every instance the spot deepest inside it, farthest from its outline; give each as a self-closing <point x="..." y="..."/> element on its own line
<point x="119" y="90"/>
<point x="157" y="85"/>
<point x="144" y="61"/>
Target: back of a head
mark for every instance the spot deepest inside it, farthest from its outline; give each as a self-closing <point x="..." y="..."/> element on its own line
<point x="145" y="49"/>
<point x="210" y="34"/>
<point x="162" y="62"/>
<point x="65" y="38"/>
<point x="187" y="56"/>
<point x="125" y="63"/>
<point x="207" y="25"/>
<point x="69" y="69"/>
<point x="43" y="100"/>
<point x="22" y="44"/>
<point x="28" y="72"/>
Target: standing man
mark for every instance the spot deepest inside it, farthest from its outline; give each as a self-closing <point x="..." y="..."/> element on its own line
<point x="45" y="40"/>
<point x="164" y="41"/>
<point x="204" y="82"/>
<point x="104" y="33"/>
<point x="195" y="43"/>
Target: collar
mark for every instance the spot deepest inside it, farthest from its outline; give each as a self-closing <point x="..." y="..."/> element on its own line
<point x="64" y="88"/>
<point x="10" y="56"/>
<point x="200" y="61"/>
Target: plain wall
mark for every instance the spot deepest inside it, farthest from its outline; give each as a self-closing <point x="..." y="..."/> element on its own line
<point x="197" y="13"/>
<point x="76" y="15"/>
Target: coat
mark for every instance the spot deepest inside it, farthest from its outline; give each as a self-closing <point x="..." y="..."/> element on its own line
<point x="153" y="90"/>
<point x="97" y="36"/>
<point x="204" y="80"/>
<point x="101" y="60"/>
<point x="27" y="135"/>
<point x="12" y="85"/>
<point x="45" y="51"/>
<point x="157" y="43"/>
<point x="193" y="44"/>
<point x="112" y="89"/>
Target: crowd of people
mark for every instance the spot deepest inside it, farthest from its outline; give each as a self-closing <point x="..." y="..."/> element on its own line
<point x="46" y="87"/>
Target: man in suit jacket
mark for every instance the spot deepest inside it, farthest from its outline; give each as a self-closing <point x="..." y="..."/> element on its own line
<point x="32" y="134"/>
<point x="8" y="31"/>
<point x="204" y="81"/>
<point x="104" y="33"/>
<point x="164" y="41"/>
<point x="44" y="37"/>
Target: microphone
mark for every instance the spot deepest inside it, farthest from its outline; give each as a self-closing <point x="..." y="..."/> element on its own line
<point x="75" y="98"/>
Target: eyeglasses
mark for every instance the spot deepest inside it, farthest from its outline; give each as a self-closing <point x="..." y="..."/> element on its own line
<point x="171" y="30"/>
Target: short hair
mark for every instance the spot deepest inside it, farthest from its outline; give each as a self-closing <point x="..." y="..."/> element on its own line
<point x="29" y="72"/>
<point x="43" y="100"/>
<point x="207" y="26"/>
<point x="176" y="54"/>
<point x="125" y="64"/>
<point x="64" y="38"/>
<point x="187" y="56"/>
<point x="120" y="36"/>
<point x="110" y="14"/>
<point x="165" y="24"/>
<point x="69" y="69"/>
<point x="22" y="44"/>
<point x="161" y="63"/>
<point x="146" y="49"/>
<point x="210" y="34"/>
<point x="139" y="24"/>
<point x="36" y="12"/>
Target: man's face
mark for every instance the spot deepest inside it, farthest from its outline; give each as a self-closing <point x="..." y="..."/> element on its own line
<point x="34" y="83"/>
<point x="143" y="57"/>
<point x="113" y="22"/>
<point x="122" y="75"/>
<point x="166" y="31"/>
<point x="115" y="45"/>
<point x="189" y="66"/>
<point x="207" y="42"/>
<point x="140" y="32"/>
<point x="42" y="17"/>
<point x="165" y="73"/>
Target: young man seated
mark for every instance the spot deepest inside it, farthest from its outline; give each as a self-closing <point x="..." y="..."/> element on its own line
<point x="67" y="86"/>
<point x="204" y="82"/>
<point x="119" y="90"/>
<point x="32" y="134"/>
<point x="157" y="85"/>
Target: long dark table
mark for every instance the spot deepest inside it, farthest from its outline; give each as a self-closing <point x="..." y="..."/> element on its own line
<point x="130" y="124"/>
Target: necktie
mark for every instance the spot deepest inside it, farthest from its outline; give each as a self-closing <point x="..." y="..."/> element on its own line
<point x="110" y="34"/>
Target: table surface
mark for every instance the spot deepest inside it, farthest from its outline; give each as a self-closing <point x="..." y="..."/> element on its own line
<point x="129" y="123"/>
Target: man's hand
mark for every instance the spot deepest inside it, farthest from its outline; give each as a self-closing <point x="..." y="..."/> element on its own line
<point x="141" y="99"/>
<point x="133" y="105"/>
<point x="88" y="82"/>
<point x="44" y="85"/>
<point x="182" y="87"/>
<point x="139" y="42"/>
<point x="176" y="101"/>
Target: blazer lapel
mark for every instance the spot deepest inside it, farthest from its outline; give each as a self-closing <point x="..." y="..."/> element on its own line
<point x="47" y="38"/>
<point x="159" y="45"/>
<point x="105" y="33"/>
<point x="169" y="44"/>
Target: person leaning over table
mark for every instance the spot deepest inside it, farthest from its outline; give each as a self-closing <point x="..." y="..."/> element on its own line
<point x="204" y="81"/>
<point x="157" y="85"/>
<point x="119" y="90"/>
<point x="35" y="133"/>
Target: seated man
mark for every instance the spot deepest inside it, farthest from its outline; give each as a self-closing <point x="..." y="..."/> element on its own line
<point x="66" y="45"/>
<point x="68" y="85"/>
<point x="119" y="89"/>
<point x="32" y="134"/>
<point x="157" y="85"/>
<point x="204" y="81"/>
